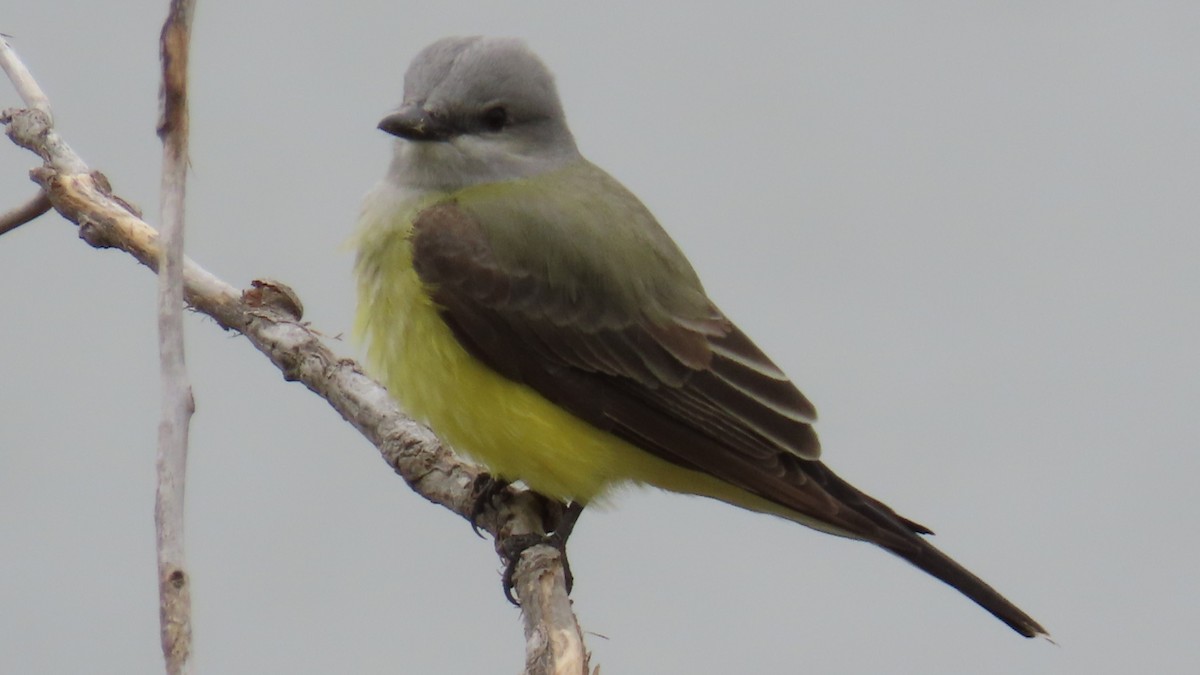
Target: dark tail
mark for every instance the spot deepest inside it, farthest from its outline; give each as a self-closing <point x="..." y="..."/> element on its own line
<point x="902" y="537"/>
<point x="925" y="556"/>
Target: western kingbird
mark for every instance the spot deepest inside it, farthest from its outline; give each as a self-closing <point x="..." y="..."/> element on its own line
<point x="533" y="312"/>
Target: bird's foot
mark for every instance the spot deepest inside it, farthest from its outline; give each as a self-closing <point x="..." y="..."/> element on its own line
<point x="486" y="488"/>
<point x="514" y="546"/>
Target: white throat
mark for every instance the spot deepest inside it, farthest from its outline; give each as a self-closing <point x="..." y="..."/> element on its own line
<point x="468" y="160"/>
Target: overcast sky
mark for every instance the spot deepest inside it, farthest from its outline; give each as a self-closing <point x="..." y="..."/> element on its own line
<point x="968" y="231"/>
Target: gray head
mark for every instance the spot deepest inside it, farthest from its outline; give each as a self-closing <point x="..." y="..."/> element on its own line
<point x="477" y="110"/>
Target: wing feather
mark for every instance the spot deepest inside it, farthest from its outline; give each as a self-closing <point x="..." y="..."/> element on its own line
<point x="696" y="366"/>
<point x="681" y="383"/>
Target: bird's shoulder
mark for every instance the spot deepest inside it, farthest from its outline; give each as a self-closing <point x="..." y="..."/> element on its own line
<point x="576" y="234"/>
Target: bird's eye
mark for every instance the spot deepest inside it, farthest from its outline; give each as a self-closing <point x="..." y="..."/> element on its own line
<point x="495" y="118"/>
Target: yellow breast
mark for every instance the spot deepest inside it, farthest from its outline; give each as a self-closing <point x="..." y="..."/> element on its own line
<point x="511" y="429"/>
<point x="506" y="426"/>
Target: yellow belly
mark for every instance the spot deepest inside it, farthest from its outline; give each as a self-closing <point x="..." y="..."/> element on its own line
<point x="508" y="427"/>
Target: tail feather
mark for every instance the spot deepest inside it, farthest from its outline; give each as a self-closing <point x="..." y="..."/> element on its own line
<point x="901" y="536"/>
<point x="928" y="558"/>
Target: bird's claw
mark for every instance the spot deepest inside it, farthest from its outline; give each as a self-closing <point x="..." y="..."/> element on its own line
<point x="512" y="547"/>
<point x="486" y="488"/>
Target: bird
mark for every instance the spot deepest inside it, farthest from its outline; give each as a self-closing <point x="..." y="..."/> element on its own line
<point x="532" y="311"/>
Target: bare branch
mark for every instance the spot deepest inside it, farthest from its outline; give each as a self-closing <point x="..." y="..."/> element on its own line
<point x="24" y="213"/>
<point x="553" y="639"/>
<point x="270" y="321"/>
<point x="52" y="149"/>
<point x="22" y="80"/>
<point x="174" y="583"/>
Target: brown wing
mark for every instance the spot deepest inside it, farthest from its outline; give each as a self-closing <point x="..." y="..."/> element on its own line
<point x="686" y="386"/>
<point x="693" y="390"/>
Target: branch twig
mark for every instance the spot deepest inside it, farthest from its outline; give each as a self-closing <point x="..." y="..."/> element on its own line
<point x="49" y="146"/>
<point x="22" y="80"/>
<point x="24" y="213"/>
<point x="174" y="582"/>
<point x="553" y="638"/>
<point x="268" y="317"/>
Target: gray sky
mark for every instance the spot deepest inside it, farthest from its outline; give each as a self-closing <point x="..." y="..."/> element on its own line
<point x="967" y="230"/>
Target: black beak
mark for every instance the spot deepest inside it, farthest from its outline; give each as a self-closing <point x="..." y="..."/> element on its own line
<point x="414" y="123"/>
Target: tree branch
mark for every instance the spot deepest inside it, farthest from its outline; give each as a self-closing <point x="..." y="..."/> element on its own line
<point x="268" y="315"/>
<point x="553" y="639"/>
<point x="22" y="80"/>
<point x="18" y="216"/>
<point x="174" y="582"/>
